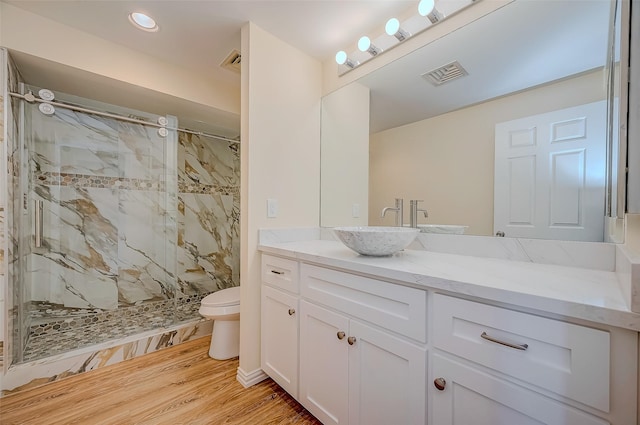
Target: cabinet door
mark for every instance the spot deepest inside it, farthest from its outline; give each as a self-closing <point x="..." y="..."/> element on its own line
<point x="324" y="363"/>
<point x="387" y="378"/>
<point x="280" y="338"/>
<point x="473" y="397"/>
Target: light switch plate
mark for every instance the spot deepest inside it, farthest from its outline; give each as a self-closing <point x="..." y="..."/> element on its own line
<point x="272" y="208"/>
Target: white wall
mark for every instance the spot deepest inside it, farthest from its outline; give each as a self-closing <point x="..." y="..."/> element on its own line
<point x="447" y="161"/>
<point x="280" y="159"/>
<point x="345" y="157"/>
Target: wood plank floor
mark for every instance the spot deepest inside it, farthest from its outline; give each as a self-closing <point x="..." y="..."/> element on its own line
<point x="177" y="385"/>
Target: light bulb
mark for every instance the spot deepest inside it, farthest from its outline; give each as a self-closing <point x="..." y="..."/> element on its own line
<point x="364" y="43"/>
<point x="392" y="27"/>
<point x="143" y="22"/>
<point x="341" y="57"/>
<point x="425" y="7"/>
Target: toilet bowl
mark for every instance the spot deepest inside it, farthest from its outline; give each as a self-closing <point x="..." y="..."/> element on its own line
<point x="224" y="308"/>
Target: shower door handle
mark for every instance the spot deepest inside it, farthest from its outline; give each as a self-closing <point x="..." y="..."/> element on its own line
<point x="39" y="221"/>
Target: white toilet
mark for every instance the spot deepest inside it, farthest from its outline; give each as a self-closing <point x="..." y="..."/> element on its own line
<point x="224" y="308"/>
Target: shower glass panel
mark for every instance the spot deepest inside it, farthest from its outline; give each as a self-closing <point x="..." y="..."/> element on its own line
<point x="100" y="208"/>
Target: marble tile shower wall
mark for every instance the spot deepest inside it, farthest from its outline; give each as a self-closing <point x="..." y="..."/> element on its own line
<point x="208" y="214"/>
<point x="106" y="239"/>
<point x="110" y="257"/>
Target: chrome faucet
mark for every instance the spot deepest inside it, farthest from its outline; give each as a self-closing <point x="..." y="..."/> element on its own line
<point x="399" y="209"/>
<point x="413" y="213"/>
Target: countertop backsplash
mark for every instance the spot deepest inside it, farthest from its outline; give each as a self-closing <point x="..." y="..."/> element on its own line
<point x="590" y="255"/>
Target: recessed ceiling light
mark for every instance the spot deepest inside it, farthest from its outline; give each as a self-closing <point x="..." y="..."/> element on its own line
<point x="143" y="22"/>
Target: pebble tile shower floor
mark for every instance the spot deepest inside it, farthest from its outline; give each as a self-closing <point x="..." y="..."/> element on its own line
<point x="56" y="329"/>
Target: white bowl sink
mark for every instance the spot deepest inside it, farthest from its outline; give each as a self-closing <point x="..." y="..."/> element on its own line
<point x="376" y="241"/>
<point x="452" y="229"/>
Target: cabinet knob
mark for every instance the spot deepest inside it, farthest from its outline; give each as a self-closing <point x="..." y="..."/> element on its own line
<point x="440" y="383"/>
<point x="291" y="312"/>
<point x="351" y="340"/>
<point x="341" y="335"/>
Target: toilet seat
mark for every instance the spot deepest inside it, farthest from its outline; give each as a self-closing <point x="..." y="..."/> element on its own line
<point x="223" y="298"/>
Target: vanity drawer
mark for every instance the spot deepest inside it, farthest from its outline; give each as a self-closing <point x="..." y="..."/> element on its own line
<point x="280" y="272"/>
<point x="388" y="305"/>
<point x="566" y="359"/>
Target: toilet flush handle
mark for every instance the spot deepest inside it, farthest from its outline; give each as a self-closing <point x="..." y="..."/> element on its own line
<point x="291" y="312"/>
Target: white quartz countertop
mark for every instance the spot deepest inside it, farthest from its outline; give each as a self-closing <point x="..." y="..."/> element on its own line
<point x="573" y="292"/>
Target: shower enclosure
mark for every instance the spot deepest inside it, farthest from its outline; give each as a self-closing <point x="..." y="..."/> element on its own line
<point x="115" y="227"/>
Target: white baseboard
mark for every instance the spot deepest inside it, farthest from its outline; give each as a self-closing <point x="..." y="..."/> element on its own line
<point x="251" y="378"/>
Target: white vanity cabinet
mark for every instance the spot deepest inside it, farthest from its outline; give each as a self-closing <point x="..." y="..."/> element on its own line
<point x="351" y="370"/>
<point x="359" y="350"/>
<point x="492" y="365"/>
<point x="279" y="322"/>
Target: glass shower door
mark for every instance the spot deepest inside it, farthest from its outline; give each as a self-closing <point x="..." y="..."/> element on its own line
<point x="101" y="203"/>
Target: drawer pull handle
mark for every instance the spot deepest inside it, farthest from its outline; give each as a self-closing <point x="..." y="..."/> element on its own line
<point x="508" y="344"/>
<point x="276" y="272"/>
<point x="351" y="340"/>
<point x="439" y="383"/>
<point x="291" y="312"/>
<point x="341" y="335"/>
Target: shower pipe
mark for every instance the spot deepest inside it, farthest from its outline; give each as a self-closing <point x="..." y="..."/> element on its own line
<point x="29" y="97"/>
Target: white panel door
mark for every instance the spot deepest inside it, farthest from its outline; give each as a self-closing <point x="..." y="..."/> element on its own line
<point x="324" y="363"/>
<point x="387" y="379"/>
<point x="550" y="174"/>
<point x="474" y="397"/>
<point x="280" y="338"/>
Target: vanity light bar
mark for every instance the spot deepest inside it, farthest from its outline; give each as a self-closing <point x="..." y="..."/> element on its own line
<point x="428" y="13"/>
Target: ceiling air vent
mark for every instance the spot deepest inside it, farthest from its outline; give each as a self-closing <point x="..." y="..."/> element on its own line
<point x="232" y="61"/>
<point x="445" y="73"/>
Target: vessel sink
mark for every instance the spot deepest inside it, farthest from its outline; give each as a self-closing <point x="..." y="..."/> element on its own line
<point x="452" y="229"/>
<point x="376" y="241"/>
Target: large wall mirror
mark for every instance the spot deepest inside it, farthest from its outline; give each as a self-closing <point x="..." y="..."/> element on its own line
<point x="525" y="141"/>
